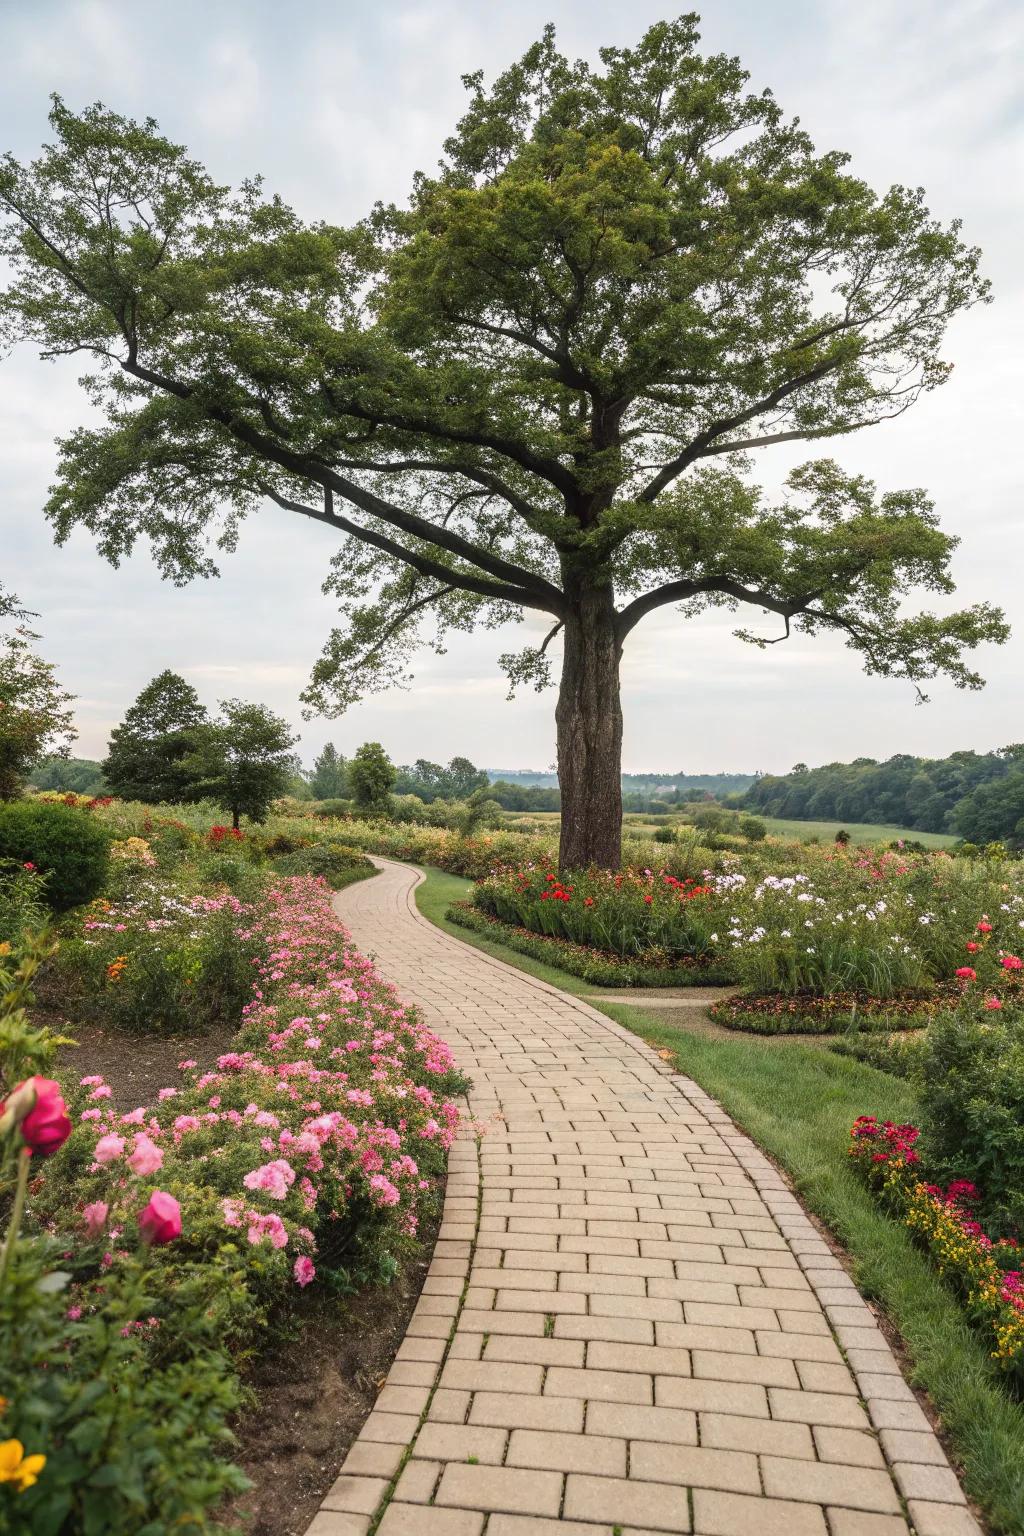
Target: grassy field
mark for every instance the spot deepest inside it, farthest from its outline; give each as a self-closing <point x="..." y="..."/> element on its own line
<point x="798" y="1103"/>
<point x="798" y="831"/>
<point x="860" y="832"/>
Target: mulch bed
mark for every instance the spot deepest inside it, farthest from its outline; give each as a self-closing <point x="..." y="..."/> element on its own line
<point x="135" y="1066"/>
<point x="314" y="1392"/>
<point x="775" y="1013"/>
<point x="316" y="1384"/>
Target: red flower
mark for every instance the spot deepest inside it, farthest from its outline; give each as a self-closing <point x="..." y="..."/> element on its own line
<point x="1012" y="963"/>
<point x="984" y="927"/>
<point x="966" y="974"/>
<point x="29" y="866"/>
<point x="160" y="1222"/>
<point x="45" y="1126"/>
<point x="972" y="948"/>
<point x="992" y="1003"/>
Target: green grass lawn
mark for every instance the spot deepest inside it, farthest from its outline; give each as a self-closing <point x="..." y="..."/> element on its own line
<point x="860" y="832"/>
<point x="639" y="824"/>
<point x="798" y="1102"/>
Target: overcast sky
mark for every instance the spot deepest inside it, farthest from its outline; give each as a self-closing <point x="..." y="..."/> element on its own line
<point x="337" y="104"/>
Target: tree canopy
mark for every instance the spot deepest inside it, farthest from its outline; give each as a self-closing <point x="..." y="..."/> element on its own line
<point x="243" y="760"/>
<point x="36" y="718"/>
<point x="148" y="754"/>
<point x="535" y="388"/>
<point x="932" y="794"/>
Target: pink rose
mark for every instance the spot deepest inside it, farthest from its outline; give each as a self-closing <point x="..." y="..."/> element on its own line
<point x="303" y="1270"/>
<point x="109" y="1147"/>
<point x="146" y="1156"/>
<point x="95" y="1217"/>
<point x="44" y="1124"/>
<point x="160" y="1221"/>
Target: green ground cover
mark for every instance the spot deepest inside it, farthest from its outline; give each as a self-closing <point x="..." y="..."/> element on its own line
<point x="860" y="832"/>
<point x="798" y="1103"/>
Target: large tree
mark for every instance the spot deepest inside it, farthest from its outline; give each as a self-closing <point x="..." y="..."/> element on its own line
<point x="243" y="760"/>
<point x="536" y="389"/>
<point x="36" y="717"/>
<point x="149" y="755"/>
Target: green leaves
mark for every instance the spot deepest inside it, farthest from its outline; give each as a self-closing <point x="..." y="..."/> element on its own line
<point x="513" y="390"/>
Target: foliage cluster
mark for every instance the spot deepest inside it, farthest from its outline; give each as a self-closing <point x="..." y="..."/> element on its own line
<point x="65" y="844"/>
<point x="978" y="795"/>
<point x="119" y="1363"/>
<point x="167" y="749"/>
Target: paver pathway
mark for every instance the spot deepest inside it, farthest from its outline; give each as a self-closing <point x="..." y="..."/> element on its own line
<point x="629" y="1325"/>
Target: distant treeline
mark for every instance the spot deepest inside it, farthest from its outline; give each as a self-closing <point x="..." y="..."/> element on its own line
<point x="978" y="795"/>
<point x="77" y="775"/>
<point x="523" y="790"/>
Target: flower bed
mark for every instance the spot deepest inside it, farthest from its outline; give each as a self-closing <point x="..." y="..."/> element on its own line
<point x="884" y="928"/>
<point x="831" y="1014"/>
<point x="654" y="969"/>
<point x="984" y="1271"/>
<point x="165" y="1239"/>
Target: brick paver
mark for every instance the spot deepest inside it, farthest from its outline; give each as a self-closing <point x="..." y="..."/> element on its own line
<point x="629" y="1324"/>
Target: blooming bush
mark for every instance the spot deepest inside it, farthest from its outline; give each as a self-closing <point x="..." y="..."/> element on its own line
<point x="178" y="1230"/>
<point x="984" y="1271"/>
<point x="634" y="914"/>
<point x="159" y="960"/>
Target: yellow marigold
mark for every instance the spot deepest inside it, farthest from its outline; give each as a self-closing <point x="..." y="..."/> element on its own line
<point x="115" y="967"/>
<point x="16" y="1467"/>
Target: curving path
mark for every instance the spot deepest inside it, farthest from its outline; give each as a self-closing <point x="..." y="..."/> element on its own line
<point x="629" y="1325"/>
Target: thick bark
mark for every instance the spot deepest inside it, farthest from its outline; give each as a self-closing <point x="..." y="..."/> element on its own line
<point x="589" y="720"/>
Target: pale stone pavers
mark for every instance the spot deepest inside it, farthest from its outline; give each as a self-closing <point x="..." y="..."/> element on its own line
<point x="629" y="1324"/>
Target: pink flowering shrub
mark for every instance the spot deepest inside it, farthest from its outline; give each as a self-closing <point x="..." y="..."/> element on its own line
<point x="324" y="1129"/>
<point x="185" y="1228"/>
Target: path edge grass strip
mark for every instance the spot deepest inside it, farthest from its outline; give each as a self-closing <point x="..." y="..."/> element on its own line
<point x="983" y="1424"/>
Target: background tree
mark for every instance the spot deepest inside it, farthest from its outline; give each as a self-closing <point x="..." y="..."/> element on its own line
<point x="243" y="760"/>
<point x="371" y="777"/>
<point x="534" y="389"/>
<point x="81" y="775"/>
<point x="151" y="751"/>
<point x="994" y="811"/>
<point x="35" y="711"/>
<point x="330" y="775"/>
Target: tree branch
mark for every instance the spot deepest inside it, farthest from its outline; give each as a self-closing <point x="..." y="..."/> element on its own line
<point x="543" y="593"/>
<point x="704" y="439"/>
<point x="463" y="580"/>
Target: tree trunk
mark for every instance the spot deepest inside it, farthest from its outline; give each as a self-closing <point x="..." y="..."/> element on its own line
<point x="236" y="818"/>
<point x="589" y="720"/>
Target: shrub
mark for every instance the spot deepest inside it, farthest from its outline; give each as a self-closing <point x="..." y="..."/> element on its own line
<point x="970" y="1083"/>
<point x="753" y="829"/>
<point x="329" y="808"/>
<point x="66" y="845"/>
<point x="22" y="903"/>
<point x="334" y="862"/>
<point x="664" y="835"/>
<point x="158" y="962"/>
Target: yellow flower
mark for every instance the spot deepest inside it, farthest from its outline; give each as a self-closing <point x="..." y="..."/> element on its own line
<point x="16" y="1467"/>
